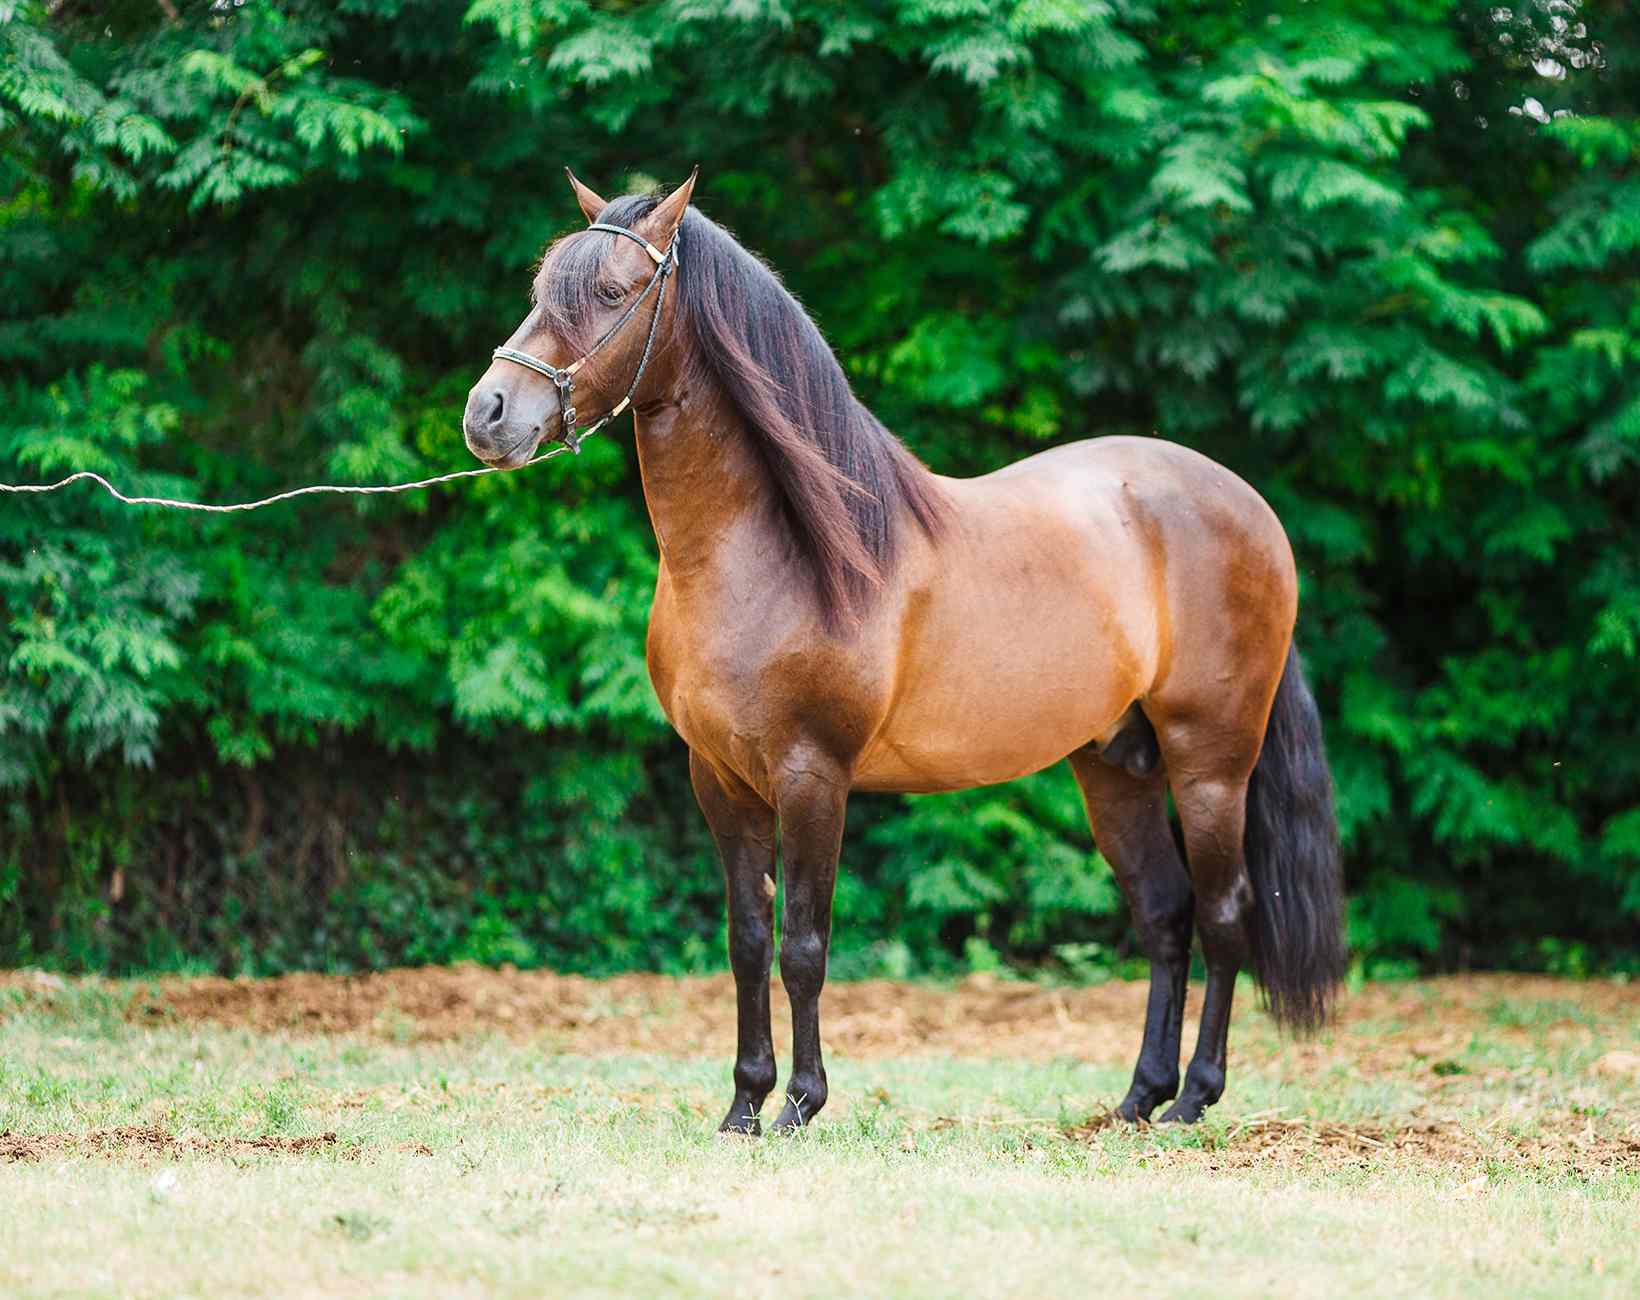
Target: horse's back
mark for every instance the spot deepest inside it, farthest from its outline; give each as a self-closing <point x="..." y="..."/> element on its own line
<point x="1175" y="483"/>
<point x="1190" y="511"/>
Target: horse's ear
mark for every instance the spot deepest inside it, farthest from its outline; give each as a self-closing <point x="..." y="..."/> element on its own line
<point x="591" y="204"/>
<point x="661" y="225"/>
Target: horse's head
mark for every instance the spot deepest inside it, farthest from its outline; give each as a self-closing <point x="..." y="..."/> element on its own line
<point x="599" y="311"/>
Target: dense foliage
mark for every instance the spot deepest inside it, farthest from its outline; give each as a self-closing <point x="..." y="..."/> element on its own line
<point x="1382" y="257"/>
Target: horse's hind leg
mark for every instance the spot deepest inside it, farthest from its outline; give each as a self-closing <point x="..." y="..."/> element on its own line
<point x="1208" y="770"/>
<point x="1126" y="799"/>
<point x="743" y="827"/>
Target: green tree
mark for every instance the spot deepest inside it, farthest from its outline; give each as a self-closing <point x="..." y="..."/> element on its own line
<point x="1380" y="257"/>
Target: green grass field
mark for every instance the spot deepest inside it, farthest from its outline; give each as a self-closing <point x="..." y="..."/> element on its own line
<point x="519" y="1138"/>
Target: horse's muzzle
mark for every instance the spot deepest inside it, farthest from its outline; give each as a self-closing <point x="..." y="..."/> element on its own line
<point x="497" y="430"/>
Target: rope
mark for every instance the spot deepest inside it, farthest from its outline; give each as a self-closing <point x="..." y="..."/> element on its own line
<point x="664" y="264"/>
<point x="343" y="489"/>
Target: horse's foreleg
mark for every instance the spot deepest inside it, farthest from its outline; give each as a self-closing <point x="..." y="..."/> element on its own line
<point x="1129" y="817"/>
<point x="812" y="800"/>
<point x="744" y="828"/>
<point x="1213" y="814"/>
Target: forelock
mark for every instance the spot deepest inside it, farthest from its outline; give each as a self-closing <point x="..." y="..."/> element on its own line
<point x="565" y="284"/>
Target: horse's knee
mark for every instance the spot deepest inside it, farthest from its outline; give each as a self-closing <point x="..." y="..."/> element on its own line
<point x="751" y="946"/>
<point x="1223" y="921"/>
<point x="803" y="963"/>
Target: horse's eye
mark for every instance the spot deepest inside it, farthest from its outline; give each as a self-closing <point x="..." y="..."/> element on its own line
<point x="611" y="293"/>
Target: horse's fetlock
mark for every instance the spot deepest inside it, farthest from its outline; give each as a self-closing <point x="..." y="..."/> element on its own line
<point x="1204" y="1083"/>
<point x="1157" y="1080"/>
<point x="806" y="1093"/>
<point x="755" y="1078"/>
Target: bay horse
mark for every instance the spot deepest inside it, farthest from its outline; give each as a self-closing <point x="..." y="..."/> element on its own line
<point x="831" y="616"/>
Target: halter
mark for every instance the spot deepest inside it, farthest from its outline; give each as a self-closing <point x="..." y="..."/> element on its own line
<point x="665" y="264"/>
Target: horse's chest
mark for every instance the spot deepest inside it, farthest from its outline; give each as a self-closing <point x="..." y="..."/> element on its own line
<point x="709" y="698"/>
<point x="685" y="692"/>
<point x="747" y="692"/>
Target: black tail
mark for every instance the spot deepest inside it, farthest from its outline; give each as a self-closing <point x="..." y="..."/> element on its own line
<point x="1292" y="856"/>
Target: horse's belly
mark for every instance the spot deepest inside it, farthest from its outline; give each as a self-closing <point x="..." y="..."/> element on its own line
<point x="931" y="764"/>
<point x="1023" y="652"/>
<point x="964" y="729"/>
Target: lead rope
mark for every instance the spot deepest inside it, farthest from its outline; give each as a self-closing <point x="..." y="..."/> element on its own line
<point x="571" y="440"/>
<point x="340" y="489"/>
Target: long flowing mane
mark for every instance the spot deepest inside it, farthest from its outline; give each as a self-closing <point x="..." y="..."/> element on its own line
<point x="845" y="484"/>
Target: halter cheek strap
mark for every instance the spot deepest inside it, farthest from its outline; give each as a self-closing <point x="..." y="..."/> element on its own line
<point x="564" y="377"/>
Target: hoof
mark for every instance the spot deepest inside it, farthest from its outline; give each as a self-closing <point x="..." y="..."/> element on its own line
<point x="1182" y="1112"/>
<point x="1137" y="1106"/>
<point x="741" y="1121"/>
<point x="795" y="1114"/>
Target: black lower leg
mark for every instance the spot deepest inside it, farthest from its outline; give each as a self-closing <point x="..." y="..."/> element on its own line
<point x="811" y="827"/>
<point x="1127" y="805"/>
<point x="1212" y="814"/>
<point x="751" y="949"/>
<point x="1162" y="908"/>
<point x="743" y="828"/>
<point x="1156" y="1073"/>
<point x="1204" y="1080"/>
<point x="1224" y="945"/>
<point x="803" y="970"/>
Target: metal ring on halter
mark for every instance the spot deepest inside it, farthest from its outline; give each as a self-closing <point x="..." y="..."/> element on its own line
<point x="564" y="376"/>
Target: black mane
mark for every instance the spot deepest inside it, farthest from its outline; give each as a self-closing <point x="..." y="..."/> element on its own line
<point x="844" y="483"/>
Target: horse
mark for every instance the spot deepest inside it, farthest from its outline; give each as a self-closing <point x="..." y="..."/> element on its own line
<point x="831" y="616"/>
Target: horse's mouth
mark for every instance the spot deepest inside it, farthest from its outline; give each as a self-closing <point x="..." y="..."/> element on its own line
<point x="518" y="454"/>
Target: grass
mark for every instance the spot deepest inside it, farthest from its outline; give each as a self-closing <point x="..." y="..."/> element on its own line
<point x="490" y="1165"/>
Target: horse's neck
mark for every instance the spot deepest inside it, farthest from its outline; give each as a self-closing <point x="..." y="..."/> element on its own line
<point x="700" y="477"/>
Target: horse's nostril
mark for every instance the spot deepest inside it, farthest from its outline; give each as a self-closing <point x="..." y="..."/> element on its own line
<point x="498" y="406"/>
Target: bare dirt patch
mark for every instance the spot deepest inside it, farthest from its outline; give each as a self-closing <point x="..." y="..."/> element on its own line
<point x="155" y="1143"/>
<point x="1423" y="1024"/>
<point x="1266" y="1142"/>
